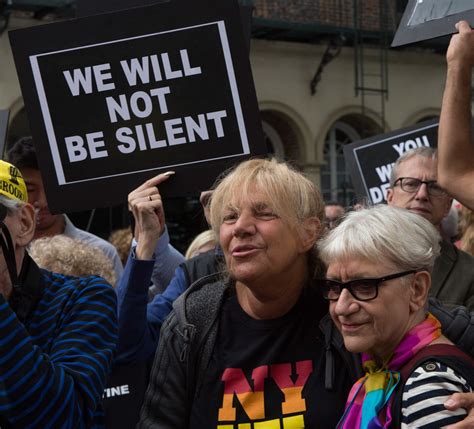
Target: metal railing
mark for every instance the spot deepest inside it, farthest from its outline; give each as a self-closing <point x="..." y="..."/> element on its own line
<point x="335" y="14"/>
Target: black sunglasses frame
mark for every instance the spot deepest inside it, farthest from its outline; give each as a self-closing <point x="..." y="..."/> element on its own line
<point x="325" y="285"/>
<point x="438" y="193"/>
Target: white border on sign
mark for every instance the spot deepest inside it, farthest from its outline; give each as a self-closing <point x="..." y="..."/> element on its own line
<point x="381" y="141"/>
<point x="49" y="123"/>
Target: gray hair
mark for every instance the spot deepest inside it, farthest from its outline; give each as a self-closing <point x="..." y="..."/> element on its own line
<point x="383" y="234"/>
<point x="424" y="151"/>
<point x="71" y="257"/>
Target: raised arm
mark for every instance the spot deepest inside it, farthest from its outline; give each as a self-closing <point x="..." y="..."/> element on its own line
<point x="147" y="208"/>
<point x="455" y="148"/>
<point x="139" y="321"/>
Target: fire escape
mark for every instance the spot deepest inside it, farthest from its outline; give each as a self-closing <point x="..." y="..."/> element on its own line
<point x="371" y="59"/>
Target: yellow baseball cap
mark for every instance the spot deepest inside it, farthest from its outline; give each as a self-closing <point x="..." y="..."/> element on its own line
<point x="12" y="184"/>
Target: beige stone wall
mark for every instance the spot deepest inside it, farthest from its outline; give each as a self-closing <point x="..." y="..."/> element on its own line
<point x="283" y="71"/>
<point x="10" y="93"/>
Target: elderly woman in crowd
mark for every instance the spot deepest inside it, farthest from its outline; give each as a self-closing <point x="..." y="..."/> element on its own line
<point x="72" y="257"/>
<point x="241" y="350"/>
<point x="252" y="349"/>
<point x="379" y="262"/>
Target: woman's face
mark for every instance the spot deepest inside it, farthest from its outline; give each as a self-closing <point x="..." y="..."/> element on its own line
<point x="374" y="327"/>
<point x="258" y="245"/>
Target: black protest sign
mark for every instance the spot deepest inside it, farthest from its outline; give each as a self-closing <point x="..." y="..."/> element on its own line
<point x="4" y="115"/>
<point x="116" y="98"/>
<point x="123" y="396"/>
<point x="370" y="161"/>
<point x="428" y="19"/>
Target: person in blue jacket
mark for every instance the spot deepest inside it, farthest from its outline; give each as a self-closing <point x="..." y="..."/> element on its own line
<point x="57" y="333"/>
<point x="153" y="262"/>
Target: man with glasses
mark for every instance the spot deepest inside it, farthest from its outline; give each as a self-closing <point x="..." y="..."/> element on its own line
<point x="414" y="187"/>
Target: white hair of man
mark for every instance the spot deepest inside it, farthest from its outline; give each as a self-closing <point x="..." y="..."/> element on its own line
<point x="424" y="151"/>
<point x="383" y="234"/>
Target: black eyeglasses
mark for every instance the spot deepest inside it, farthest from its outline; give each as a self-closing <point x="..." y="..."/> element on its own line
<point x="360" y="289"/>
<point x="411" y="185"/>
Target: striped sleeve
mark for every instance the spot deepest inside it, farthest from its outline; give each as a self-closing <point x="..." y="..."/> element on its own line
<point x="424" y="395"/>
<point x="59" y="384"/>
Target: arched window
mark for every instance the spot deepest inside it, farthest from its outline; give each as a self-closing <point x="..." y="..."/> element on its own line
<point x="273" y="141"/>
<point x="336" y="184"/>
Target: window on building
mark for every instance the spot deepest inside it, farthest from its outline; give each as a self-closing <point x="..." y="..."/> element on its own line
<point x="281" y="136"/>
<point x="273" y="141"/>
<point x="336" y="184"/>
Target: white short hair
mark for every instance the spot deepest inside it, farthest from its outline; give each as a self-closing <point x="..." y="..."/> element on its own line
<point x="383" y="234"/>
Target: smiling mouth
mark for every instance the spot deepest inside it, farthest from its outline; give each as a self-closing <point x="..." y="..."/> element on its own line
<point x="351" y="327"/>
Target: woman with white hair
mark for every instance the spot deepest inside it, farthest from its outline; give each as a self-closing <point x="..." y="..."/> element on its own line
<point x="71" y="257"/>
<point x="379" y="273"/>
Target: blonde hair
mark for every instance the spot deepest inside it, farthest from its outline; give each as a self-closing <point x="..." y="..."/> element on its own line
<point x="292" y="196"/>
<point x="122" y="240"/>
<point x="205" y="238"/>
<point x="72" y="257"/>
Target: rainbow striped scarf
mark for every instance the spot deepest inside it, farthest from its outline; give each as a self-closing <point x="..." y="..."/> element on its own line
<point x="368" y="404"/>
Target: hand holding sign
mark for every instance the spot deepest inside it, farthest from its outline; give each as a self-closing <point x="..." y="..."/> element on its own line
<point x="427" y="19"/>
<point x="461" y="48"/>
<point x="147" y="207"/>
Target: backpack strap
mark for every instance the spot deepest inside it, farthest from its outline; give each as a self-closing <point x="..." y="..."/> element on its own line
<point x="431" y="352"/>
<point x="447" y="354"/>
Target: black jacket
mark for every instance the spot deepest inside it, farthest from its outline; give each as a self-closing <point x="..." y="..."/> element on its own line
<point x="188" y="338"/>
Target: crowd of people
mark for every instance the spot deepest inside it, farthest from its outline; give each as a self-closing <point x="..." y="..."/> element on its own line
<point x="287" y="312"/>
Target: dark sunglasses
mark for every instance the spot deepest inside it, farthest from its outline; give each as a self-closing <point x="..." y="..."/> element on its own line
<point x="360" y="289"/>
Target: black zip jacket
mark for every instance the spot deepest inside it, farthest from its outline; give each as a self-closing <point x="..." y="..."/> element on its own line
<point x="188" y="338"/>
